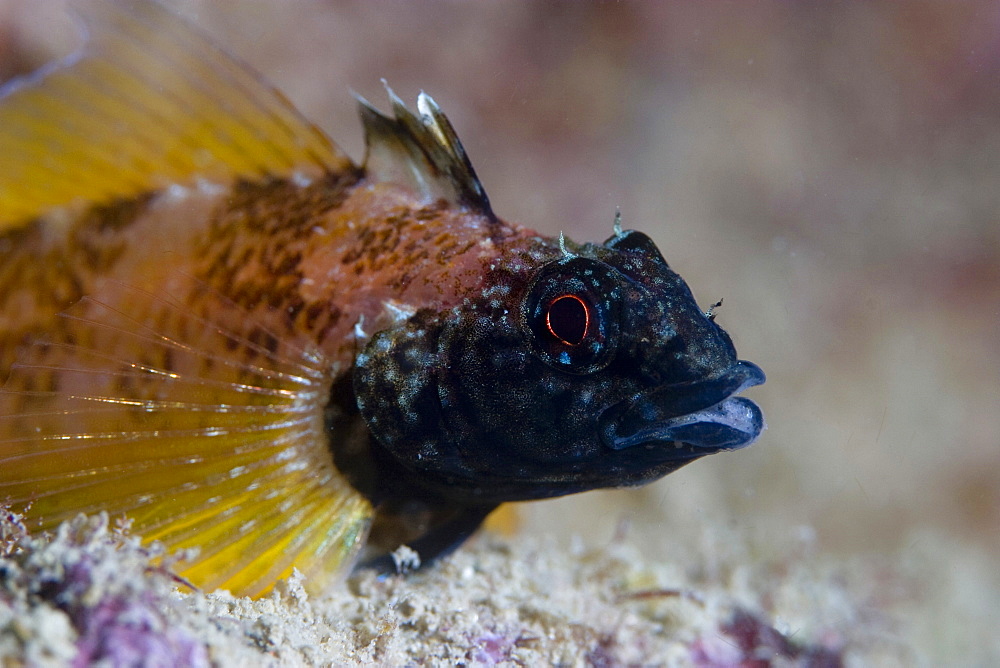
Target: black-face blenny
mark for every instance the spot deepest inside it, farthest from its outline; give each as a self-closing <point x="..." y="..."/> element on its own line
<point x="214" y="323"/>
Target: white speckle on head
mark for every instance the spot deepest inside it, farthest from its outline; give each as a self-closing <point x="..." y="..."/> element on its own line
<point x="416" y="355"/>
<point x="500" y="290"/>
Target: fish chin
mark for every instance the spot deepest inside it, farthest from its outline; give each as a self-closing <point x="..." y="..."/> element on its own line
<point x="689" y="420"/>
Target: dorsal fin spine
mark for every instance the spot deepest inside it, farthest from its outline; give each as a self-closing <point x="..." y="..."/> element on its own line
<point x="421" y="151"/>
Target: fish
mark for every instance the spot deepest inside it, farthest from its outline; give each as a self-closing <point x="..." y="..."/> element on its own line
<point x="266" y="357"/>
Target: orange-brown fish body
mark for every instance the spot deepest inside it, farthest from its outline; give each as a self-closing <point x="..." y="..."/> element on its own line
<point x="214" y="323"/>
<point x="317" y="259"/>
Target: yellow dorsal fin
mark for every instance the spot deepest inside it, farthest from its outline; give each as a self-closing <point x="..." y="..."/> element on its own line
<point x="147" y="102"/>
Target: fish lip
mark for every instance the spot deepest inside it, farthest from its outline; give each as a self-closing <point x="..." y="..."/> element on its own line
<point x="689" y="420"/>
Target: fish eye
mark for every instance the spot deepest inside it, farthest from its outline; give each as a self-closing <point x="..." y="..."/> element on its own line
<point x="570" y="314"/>
<point x="568" y="319"/>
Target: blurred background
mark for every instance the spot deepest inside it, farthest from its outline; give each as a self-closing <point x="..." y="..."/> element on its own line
<point x="830" y="169"/>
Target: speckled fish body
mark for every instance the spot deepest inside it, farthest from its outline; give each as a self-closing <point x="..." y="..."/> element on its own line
<point x="214" y="323"/>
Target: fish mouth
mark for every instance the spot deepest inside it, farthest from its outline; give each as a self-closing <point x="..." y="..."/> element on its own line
<point x="688" y="420"/>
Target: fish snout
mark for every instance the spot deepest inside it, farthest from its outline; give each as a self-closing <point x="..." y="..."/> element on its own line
<point x="692" y="419"/>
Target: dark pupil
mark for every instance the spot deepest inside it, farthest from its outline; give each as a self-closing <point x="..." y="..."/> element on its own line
<point x="568" y="319"/>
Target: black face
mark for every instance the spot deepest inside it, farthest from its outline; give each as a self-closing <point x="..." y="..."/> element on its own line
<point x="597" y="369"/>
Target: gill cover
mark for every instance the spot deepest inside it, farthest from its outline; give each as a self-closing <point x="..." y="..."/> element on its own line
<point x="597" y="368"/>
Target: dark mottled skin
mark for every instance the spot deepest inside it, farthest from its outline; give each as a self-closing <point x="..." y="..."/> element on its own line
<point x="505" y="397"/>
<point x="446" y="389"/>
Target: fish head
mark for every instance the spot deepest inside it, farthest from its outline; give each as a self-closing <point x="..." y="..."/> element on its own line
<point x="595" y="368"/>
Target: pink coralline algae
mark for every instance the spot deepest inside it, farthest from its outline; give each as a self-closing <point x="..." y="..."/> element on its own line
<point x="747" y="641"/>
<point x="117" y="608"/>
<point x="124" y="632"/>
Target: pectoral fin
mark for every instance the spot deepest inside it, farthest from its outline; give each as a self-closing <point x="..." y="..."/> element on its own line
<point x="207" y="430"/>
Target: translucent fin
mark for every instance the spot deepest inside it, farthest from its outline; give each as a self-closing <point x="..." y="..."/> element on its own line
<point x="206" y="430"/>
<point x="421" y="151"/>
<point x="504" y="520"/>
<point x="146" y="103"/>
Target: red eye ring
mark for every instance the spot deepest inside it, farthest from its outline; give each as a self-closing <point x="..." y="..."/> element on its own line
<point x="567" y="318"/>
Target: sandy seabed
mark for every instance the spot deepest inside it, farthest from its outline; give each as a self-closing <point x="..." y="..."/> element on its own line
<point x="92" y="593"/>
